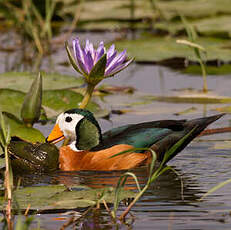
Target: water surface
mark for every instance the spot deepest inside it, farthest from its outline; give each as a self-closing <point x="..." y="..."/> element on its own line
<point x="202" y="165"/>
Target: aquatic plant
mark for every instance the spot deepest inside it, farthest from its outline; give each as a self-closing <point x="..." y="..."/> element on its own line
<point x="32" y="21"/>
<point x="96" y="64"/>
<point x="154" y="173"/>
<point x="198" y="50"/>
<point x="8" y="181"/>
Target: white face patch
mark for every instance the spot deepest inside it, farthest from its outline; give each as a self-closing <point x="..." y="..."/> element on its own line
<point x="67" y="123"/>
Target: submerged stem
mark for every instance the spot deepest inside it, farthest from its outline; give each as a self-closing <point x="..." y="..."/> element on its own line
<point x="124" y="214"/>
<point x="87" y="96"/>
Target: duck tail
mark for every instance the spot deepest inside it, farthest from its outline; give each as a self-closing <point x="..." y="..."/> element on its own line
<point x="203" y="122"/>
<point x="195" y="126"/>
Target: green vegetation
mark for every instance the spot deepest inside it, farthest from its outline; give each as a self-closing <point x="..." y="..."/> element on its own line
<point x="193" y="34"/>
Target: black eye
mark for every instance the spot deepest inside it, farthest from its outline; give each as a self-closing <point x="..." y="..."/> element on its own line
<point x="68" y="119"/>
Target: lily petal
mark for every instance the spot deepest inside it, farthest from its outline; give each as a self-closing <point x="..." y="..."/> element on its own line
<point x="118" y="60"/>
<point x="111" y="51"/>
<point x="119" y="68"/>
<point x="78" y="50"/>
<point x="88" y="62"/>
<point x="99" y="52"/>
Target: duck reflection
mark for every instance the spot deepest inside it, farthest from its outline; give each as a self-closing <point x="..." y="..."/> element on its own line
<point x="168" y="190"/>
<point x="168" y="186"/>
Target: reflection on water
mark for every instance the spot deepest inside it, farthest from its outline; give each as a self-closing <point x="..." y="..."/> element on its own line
<point x="168" y="190"/>
<point x="171" y="202"/>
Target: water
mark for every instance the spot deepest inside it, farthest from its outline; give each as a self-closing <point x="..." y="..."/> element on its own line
<point x="172" y="202"/>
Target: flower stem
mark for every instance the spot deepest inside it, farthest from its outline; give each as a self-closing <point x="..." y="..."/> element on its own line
<point x="87" y="96"/>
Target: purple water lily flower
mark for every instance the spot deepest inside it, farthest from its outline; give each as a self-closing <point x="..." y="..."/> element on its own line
<point x="96" y="64"/>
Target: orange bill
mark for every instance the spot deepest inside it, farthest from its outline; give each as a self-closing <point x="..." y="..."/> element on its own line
<point x="56" y="135"/>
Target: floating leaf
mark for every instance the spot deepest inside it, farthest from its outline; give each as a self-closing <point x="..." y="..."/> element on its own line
<point x="54" y="102"/>
<point x="18" y="129"/>
<point x="216" y="25"/>
<point x="189" y="99"/>
<point x="61" y="100"/>
<point x="211" y="70"/>
<point x="117" y="10"/>
<point x="58" y="197"/>
<point x="11" y="101"/>
<point x="194" y="9"/>
<point x="117" y="14"/>
<point x="157" y="49"/>
<point x="23" y="81"/>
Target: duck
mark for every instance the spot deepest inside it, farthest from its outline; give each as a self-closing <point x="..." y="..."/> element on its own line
<point x="89" y="149"/>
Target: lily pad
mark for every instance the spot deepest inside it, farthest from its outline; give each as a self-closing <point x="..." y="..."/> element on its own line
<point x="117" y="9"/>
<point x="114" y="25"/>
<point x="211" y="26"/>
<point x="101" y="15"/>
<point x="61" y="100"/>
<point x="54" y="102"/>
<point x="194" y="8"/>
<point x="189" y="99"/>
<point x="17" y="128"/>
<point x="157" y="49"/>
<point x="23" y="81"/>
<point x="54" y="197"/>
<point x="11" y="101"/>
<point x="210" y="70"/>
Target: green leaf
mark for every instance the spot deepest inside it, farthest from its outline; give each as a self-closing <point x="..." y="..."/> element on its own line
<point x="189" y="99"/>
<point x="194" y="9"/>
<point x="116" y="15"/>
<point x="58" y="197"/>
<point x="23" y="81"/>
<point x="217" y="25"/>
<point x="97" y="72"/>
<point x="158" y="49"/>
<point x="17" y="128"/>
<point x="31" y="108"/>
<point x="11" y="101"/>
<point x="211" y="70"/>
<point x="61" y="100"/>
<point x="54" y="102"/>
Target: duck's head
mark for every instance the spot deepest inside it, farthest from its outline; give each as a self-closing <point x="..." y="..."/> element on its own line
<point x="79" y="126"/>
